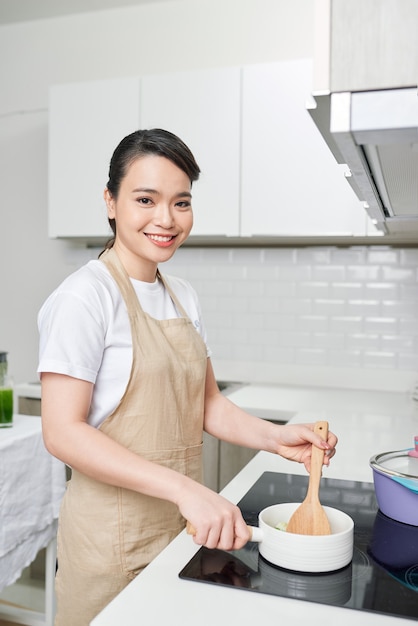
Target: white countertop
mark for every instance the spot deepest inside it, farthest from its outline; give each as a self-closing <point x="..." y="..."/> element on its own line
<point x="365" y="422"/>
<point x="29" y="390"/>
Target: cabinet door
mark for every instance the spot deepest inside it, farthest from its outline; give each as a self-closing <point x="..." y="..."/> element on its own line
<point x="203" y="109"/>
<point x="232" y="459"/>
<point x="291" y="184"/>
<point x="86" y="122"/>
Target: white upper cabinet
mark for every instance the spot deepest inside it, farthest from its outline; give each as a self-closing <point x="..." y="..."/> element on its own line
<point x="265" y="168"/>
<point x="86" y="122"/>
<point x="203" y="109"/>
<point x="291" y="184"/>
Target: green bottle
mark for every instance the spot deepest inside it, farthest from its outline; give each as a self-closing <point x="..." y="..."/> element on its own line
<point x="6" y="394"/>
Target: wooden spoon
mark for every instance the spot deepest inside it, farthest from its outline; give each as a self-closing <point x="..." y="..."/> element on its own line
<point x="310" y="518"/>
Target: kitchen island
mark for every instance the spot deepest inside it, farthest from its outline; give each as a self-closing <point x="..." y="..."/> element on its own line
<point x="365" y="423"/>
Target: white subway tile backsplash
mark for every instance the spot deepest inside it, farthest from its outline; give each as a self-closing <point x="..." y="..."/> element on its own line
<point x="314" y="290"/>
<point x="246" y="256"/>
<point x="311" y="356"/>
<point x="397" y="343"/>
<point x="327" y="341"/>
<point x="354" y="307"/>
<point x="254" y="321"/>
<point x="381" y="324"/>
<point x="280" y="289"/>
<point x="381" y="290"/>
<point x="400" y="308"/>
<point x="220" y="288"/>
<point x="328" y="273"/>
<point x="362" y="341"/>
<point x="295" y="306"/>
<point x="409" y="291"/>
<point x="233" y="304"/>
<point x="408" y="362"/>
<point x="409" y="256"/>
<point x="278" y="256"/>
<point x="313" y="323"/>
<point x="280" y="321"/>
<point x="363" y="273"/>
<point x="247" y="288"/>
<point x="383" y="255"/>
<point x="348" y="324"/>
<point x="247" y="352"/>
<point x="278" y="355"/>
<point x="363" y="307"/>
<point x="345" y="359"/>
<point x="294" y="272"/>
<point x="269" y="272"/>
<point x="221" y="350"/>
<point x="408" y="326"/>
<point x="348" y="256"/>
<point x="380" y="360"/>
<point x="313" y="256"/>
<point x="295" y="339"/>
<point x="329" y="307"/>
<point x="346" y="290"/>
<point x="399" y="274"/>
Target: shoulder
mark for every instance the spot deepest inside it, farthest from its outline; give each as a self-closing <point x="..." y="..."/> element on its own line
<point x="90" y="288"/>
<point x="92" y="278"/>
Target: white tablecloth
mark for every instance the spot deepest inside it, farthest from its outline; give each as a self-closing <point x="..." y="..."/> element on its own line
<point x="32" y="483"/>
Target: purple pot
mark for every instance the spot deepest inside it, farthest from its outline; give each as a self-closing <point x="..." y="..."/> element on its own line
<point x="395" y="476"/>
<point x="394" y="545"/>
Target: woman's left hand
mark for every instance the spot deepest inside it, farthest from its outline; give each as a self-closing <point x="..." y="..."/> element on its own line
<point x="294" y="442"/>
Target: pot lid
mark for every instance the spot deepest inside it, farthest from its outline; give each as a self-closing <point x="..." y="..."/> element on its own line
<point x="397" y="463"/>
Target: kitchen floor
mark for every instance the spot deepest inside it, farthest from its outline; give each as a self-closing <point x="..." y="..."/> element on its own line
<point x="27" y="592"/>
<point x="2" y="623"/>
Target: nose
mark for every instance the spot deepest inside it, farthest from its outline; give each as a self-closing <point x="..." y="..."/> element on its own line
<point x="163" y="216"/>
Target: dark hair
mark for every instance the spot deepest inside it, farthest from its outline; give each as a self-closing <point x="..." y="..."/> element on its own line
<point x="142" y="143"/>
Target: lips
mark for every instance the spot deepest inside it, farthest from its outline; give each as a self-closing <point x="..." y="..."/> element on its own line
<point x="161" y="240"/>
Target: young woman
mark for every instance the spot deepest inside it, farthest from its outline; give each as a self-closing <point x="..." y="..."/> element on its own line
<point x="128" y="388"/>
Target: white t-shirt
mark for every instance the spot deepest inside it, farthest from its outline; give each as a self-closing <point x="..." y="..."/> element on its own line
<point x="85" y="332"/>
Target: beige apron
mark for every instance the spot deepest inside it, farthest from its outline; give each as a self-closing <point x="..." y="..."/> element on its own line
<point x="107" y="535"/>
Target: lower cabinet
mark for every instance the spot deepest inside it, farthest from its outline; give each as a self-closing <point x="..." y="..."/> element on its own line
<point x="28" y="406"/>
<point x="232" y="459"/>
<point x="222" y="461"/>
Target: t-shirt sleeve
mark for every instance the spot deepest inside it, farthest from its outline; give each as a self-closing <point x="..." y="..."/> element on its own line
<point x="72" y="336"/>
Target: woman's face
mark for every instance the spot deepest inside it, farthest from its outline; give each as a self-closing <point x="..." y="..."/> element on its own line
<point x="153" y="214"/>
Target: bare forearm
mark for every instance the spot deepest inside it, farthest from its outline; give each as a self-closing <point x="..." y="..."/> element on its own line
<point x="219" y="522"/>
<point x="228" y="422"/>
<point x="96" y="455"/>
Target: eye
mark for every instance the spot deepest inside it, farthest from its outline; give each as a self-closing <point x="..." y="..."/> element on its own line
<point x="144" y="201"/>
<point x="183" y="205"/>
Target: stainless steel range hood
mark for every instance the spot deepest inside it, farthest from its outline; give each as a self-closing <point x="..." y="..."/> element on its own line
<point x="376" y="134"/>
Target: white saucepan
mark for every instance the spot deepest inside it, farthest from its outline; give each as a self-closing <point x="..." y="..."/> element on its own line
<point x="304" y="553"/>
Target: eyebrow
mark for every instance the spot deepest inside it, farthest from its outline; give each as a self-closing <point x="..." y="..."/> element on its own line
<point x="181" y="194"/>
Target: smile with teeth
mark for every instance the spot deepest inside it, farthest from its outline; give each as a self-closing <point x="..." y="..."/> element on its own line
<point x="162" y="238"/>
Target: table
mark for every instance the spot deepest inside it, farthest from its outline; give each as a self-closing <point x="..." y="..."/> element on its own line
<point x="32" y="484"/>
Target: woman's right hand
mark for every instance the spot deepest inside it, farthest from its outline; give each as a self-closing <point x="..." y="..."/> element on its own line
<point x="213" y="521"/>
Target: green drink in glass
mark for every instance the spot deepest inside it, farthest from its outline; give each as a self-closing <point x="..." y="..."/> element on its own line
<point x="6" y="394"/>
<point x="6" y="407"/>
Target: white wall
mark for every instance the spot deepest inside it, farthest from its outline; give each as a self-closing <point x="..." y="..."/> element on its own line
<point x="160" y="37"/>
<point x="353" y="311"/>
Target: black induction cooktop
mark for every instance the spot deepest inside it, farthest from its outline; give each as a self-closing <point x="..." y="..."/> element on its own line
<point x="382" y="577"/>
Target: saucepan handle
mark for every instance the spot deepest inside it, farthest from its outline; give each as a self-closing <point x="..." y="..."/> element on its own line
<point x="255" y="533"/>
